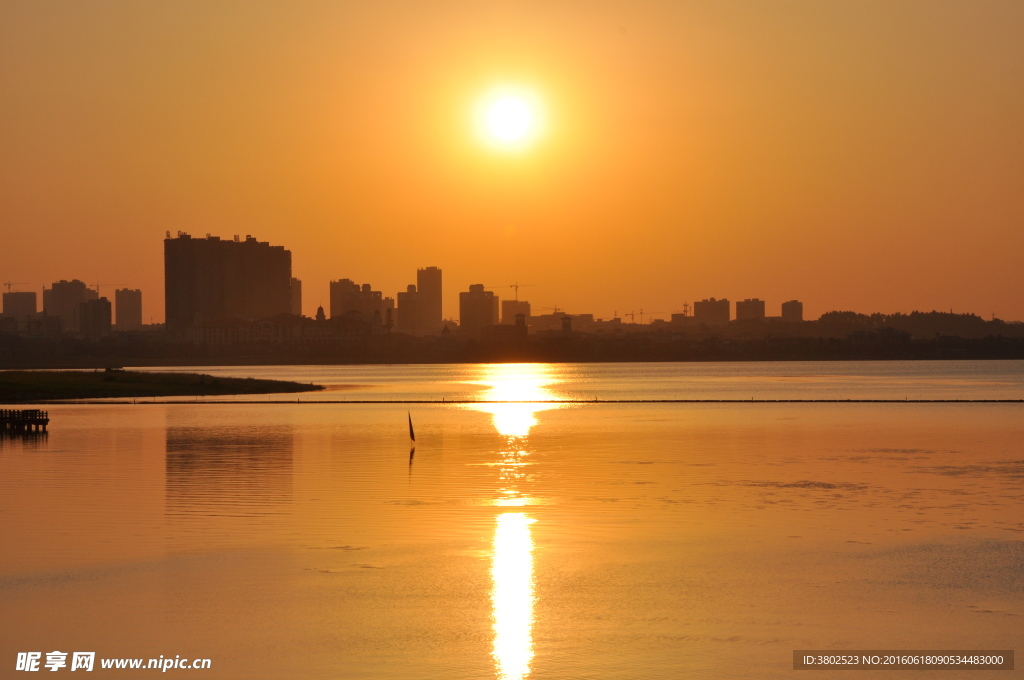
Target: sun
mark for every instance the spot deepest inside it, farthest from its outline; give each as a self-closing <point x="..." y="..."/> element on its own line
<point x="509" y="119"/>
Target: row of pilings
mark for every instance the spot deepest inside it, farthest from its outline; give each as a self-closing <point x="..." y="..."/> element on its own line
<point x="29" y="420"/>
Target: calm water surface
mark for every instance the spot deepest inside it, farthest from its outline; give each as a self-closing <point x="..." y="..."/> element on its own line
<point x="517" y="541"/>
<point x="737" y="380"/>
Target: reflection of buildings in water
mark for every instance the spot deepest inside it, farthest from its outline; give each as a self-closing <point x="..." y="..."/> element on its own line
<point x="512" y="596"/>
<point x="242" y="470"/>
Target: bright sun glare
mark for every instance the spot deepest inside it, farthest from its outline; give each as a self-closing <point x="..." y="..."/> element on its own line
<point x="509" y="119"/>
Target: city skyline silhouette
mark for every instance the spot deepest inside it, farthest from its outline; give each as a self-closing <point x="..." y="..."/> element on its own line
<point x="214" y="278"/>
<point x="852" y="157"/>
<point x="511" y="339"/>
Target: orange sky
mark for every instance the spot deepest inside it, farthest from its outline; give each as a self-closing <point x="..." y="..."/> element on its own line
<point x="855" y="155"/>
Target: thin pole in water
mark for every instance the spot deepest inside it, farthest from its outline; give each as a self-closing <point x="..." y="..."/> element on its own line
<point x="412" y="433"/>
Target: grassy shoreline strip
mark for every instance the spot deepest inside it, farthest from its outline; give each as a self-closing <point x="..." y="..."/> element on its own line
<point x="46" y="386"/>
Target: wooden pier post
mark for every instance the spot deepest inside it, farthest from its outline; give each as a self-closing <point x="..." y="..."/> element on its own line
<point x="23" y="421"/>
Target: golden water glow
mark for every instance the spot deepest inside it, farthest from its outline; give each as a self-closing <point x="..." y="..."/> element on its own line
<point x="512" y="595"/>
<point x="509" y="118"/>
<point x="517" y="383"/>
<point x="525" y="391"/>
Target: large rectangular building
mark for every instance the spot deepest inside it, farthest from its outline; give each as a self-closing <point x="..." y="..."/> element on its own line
<point x="20" y="303"/>
<point x="750" y="309"/>
<point x="348" y="297"/>
<point x="478" y="308"/>
<point x="295" y="298"/>
<point x="63" y="299"/>
<point x="210" y="279"/>
<point x="793" y="311"/>
<point x="510" y="308"/>
<point x="711" y="311"/>
<point x="128" y="309"/>
<point x="410" y="311"/>
<point x="94" y="318"/>
<point x="428" y="286"/>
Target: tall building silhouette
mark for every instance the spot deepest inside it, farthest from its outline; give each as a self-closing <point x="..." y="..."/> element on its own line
<point x="511" y="308"/>
<point x="20" y="304"/>
<point x="793" y="311"/>
<point x="348" y="297"/>
<point x="478" y="309"/>
<point x="428" y="286"/>
<point x="19" y="309"/>
<point x="94" y="318"/>
<point x="63" y="299"/>
<point x="128" y="309"/>
<point x="711" y="311"/>
<point x="210" y="279"/>
<point x="295" y="297"/>
<point x="410" y="311"/>
<point x="750" y="309"/>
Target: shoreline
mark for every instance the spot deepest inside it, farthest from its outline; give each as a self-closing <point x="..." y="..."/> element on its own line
<point x="62" y="386"/>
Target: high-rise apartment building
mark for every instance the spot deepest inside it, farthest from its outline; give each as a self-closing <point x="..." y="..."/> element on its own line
<point x="20" y="304"/>
<point x="410" y="311"/>
<point x="63" y="300"/>
<point x="295" y="290"/>
<point x="94" y="318"/>
<point x="210" y="279"/>
<point x="128" y="309"/>
<point x="478" y="308"/>
<point x="793" y="311"/>
<point x="510" y="308"/>
<point x="750" y="309"/>
<point x="349" y="297"/>
<point x="428" y="285"/>
<point x="711" y="311"/>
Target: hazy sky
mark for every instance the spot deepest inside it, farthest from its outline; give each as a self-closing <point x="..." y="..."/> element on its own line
<point x="855" y="155"/>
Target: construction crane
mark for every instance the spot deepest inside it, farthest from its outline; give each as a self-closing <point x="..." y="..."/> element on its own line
<point x="554" y="310"/>
<point x="96" y="286"/>
<point x="515" y="286"/>
<point x="14" y="283"/>
<point x="649" y="314"/>
<point x="518" y="285"/>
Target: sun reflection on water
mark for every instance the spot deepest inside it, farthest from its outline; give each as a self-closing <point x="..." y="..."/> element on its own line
<point x="512" y="595"/>
<point x="517" y="383"/>
<point x="516" y="392"/>
<point x="523" y="390"/>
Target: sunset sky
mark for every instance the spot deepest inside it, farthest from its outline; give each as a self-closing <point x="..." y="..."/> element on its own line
<point x="855" y="155"/>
